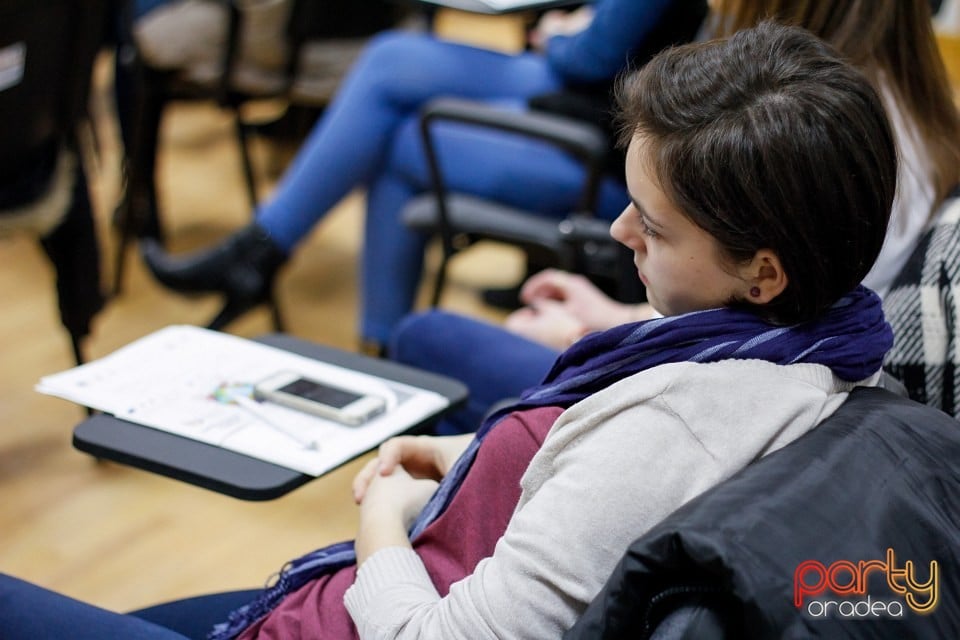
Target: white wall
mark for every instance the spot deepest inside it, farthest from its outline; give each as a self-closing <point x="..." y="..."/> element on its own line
<point x="947" y="19"/>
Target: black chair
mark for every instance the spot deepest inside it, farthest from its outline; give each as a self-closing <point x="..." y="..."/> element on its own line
<point x="880" y="473"/>
<point x="316" y="31"/>
<point x="580" y="242"/>
<point x="47" y="50"/>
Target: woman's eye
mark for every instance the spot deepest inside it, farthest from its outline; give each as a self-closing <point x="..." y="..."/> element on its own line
<point x="647" y="229"/>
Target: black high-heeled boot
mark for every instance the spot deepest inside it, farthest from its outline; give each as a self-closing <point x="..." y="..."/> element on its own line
<point x="242" y="267"/>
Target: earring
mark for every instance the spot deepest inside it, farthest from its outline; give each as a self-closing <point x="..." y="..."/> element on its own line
<point x="755" y="292"/>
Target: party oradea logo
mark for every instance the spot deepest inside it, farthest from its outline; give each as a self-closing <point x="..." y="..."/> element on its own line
<point x="866" y="589"/>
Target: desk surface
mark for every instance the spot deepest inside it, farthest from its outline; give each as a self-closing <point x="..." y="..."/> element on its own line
<point x="224" y="471"/>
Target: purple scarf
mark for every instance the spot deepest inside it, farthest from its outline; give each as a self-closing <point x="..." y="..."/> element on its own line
<point x="851" y="339"/>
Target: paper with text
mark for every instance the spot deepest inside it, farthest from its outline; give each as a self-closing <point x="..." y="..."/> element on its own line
<point x="173" y="379"/>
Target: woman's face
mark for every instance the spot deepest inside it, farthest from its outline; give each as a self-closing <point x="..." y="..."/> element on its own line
<point x="681" y="265"/>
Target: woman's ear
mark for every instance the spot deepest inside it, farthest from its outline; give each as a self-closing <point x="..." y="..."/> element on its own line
<point x="764" y="277"/>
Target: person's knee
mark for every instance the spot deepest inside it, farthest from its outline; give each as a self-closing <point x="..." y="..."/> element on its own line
<point x="413" y="336"/>
<point x="398" y="59"/>
<point x="393" y="47"/>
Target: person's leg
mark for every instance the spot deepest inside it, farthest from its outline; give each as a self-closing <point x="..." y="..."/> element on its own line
<point x="29" y="612"/>
<point x="391" y="261"/>
<point x="509" y="169"/>
<point x="195" y="617"/>
<point x="397" y="73"/>
<point x="494" y="364"/>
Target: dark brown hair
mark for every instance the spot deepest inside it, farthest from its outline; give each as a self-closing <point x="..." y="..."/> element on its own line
<point x="769" y="140"/>
<point x="891" y="40"/>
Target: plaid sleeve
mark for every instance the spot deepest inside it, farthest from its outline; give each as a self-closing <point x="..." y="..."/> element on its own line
<point x="921" y="306"/>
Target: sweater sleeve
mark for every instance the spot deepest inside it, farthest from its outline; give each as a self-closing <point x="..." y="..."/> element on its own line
<point x="601" y="50"/>
<point x="586" y="497"/>
<point x="612" y="466"/>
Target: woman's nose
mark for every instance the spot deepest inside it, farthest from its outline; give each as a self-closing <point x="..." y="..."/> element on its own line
<point x="621" y="231"/>
<point x="617" y="227"/>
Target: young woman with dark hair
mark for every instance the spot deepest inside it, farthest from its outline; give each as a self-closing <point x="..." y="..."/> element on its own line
<point x="510" y="534"/>
<point x="891" y="41"/>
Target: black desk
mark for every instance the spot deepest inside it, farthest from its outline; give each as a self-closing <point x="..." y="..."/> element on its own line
<point x="228" y="472"/>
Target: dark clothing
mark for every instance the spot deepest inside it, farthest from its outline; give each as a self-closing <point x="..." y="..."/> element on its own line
<point x="881" y="473"/>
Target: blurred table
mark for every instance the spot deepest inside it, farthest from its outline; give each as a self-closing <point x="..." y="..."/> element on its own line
<point x="107" y="437"/>
<point x="479" y="6"/>
<point x="480" y="24"/>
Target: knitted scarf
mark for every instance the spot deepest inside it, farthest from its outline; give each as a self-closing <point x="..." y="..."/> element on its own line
<point x="851" y="339"/>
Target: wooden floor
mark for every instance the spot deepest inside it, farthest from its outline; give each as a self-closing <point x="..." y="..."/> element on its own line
<point x="123" y="538"/>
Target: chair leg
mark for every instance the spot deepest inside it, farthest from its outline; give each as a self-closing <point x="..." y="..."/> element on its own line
<point x="440" y="281"/>
<point x="74" y="252"/>
<point x="123" y="241"/>
<point x="243" y="141"/>
<point x="126" y="224"/>
<point x="226" y="314"/>
<point x="137" y="214"/>
<point x="276" y="315"/>
<point x="230" y="312"/>
<point x="77" y="349"/>
<point x="135" y="217"/>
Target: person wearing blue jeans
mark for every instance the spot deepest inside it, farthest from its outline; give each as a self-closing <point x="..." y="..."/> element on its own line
<point x="30" y="611"/>
<point x="368" y="137"/>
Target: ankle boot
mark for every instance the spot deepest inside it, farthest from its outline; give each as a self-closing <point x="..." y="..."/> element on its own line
<point x="242" y="267"/>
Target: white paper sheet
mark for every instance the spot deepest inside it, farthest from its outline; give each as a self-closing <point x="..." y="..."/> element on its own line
<point x="168" y="380"/>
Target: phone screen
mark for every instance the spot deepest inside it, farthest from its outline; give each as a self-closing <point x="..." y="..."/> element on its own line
<point x="321" y="393"/>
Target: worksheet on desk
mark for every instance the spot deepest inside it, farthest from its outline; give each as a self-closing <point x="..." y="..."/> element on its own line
<point x="181" y="379"/>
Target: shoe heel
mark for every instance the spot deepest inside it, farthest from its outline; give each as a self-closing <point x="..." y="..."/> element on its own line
<point x="233" y="309"/>
<point x="230" y="311"/>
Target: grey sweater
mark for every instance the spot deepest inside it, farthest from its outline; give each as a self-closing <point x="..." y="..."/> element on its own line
<point x="611" y="467"/>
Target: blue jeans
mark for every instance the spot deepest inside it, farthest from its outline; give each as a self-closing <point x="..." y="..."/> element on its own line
<point x="29" y="612"/>
<point x="368" y="137"/>
<point x="493" y="363"/>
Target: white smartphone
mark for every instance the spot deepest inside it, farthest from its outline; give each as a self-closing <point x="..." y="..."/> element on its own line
<point x="322" y="399"/>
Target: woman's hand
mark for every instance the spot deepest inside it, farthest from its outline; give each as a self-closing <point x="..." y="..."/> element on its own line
<point x="397" y="497"/>
<point x="582" y="300"/>
<point x="388" y="507"/>
<point x="393" y="487"/>
<point x="548" y="322"/>
<point x="421" y="457"/>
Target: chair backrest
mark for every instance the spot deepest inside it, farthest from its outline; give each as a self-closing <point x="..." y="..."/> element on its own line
<point x="47" y="48"/>
<point x="47" y="52"/>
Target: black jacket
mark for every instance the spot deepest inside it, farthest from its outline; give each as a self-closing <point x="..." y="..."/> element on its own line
<point x="882" y="473"/>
